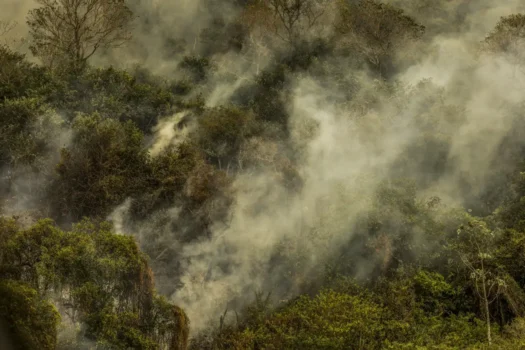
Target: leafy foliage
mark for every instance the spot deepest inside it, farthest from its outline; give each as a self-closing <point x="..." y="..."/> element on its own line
<point x="104" y="165"/>
<point x="374" y="30"/>
<point x="31" y="320"/>
<point x="409" y="271"/>
<point x="95" y="278"/>
<point x="26" y="127"/>
<point x="508" y="35"/>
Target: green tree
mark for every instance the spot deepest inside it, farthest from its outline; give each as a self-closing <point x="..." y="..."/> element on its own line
<point x="104" y="165"/>
<point x="26" y="127"/>
<point x="99" y="281"/>
<point x="476" y="248"/>
<point x="31" y="320"/>
<point x="117" y="94"/>
<point x="20" y="78"/>
<point x="330" y="320"/>
<point x="221" y="133"/>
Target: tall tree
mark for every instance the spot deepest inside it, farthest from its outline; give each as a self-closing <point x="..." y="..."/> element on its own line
<point x="476" y="248"/>
<point x="376" y="31"/>
<point x="73" y="30"/>
<point x="98" y="283"/>
<point x="104" y="164"/>
<point x="289" y="20"/>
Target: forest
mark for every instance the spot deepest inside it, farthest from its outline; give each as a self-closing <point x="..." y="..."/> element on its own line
<point x="262" y="174"/>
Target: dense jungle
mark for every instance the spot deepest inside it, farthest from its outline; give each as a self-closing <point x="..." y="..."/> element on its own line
<point x="262" y="174"/>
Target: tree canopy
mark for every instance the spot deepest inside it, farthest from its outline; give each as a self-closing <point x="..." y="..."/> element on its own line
<point x="70" y="32"/>
<point x="277" y="174"/>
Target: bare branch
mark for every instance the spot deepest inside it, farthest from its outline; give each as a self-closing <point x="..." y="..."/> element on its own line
<point x="6" y="27"/>
<point x="71" y="31"/>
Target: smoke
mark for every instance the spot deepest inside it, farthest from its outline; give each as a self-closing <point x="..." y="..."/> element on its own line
<point x="470" y="19"/>
<point x="454" y="106"/>
<point x="345" y="158"/>
<point x="24" y="186"/>
<point x="163" y="32"/>
<point x="171" y="131"/>
<point x="265" y="215"/>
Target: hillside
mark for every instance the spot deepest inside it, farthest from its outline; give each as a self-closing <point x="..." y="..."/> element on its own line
<point x="262" y="174"/>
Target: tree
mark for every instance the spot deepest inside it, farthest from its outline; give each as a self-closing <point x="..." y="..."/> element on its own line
<point x="221" y="133"/>
<point x="508" y="35"/>
<point x="376" y="31"/>
<point x="288" y="20"/>
<point x="26" y="127"/>
<point x="71" y="31"/>
<point x="294" y="17"/>
<point x="29" y="133"/>
<point x="349" y="317"/>
<point x="104" y="165"/>
<point x="330" y="320"/>
<point x="6" y="27"/>
<point x="100" y="283"/>
<point x="508" y="39"/>
<point x="31" y="321"/>
<point x="20" y="78"/>
<point x="117" y="94"/>
<point x="7" y="38"/>
<point x="476" y="248"/>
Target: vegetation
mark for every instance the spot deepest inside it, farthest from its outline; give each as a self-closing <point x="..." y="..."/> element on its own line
<point x="70" y="32"/>
<point x="111" y="176"/>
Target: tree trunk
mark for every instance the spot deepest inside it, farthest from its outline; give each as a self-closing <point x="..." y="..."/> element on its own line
<point x="486" y="302"/>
